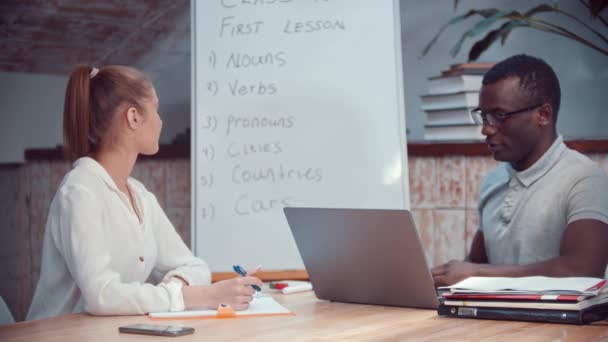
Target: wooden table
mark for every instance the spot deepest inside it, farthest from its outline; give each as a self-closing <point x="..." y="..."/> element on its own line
<point x="314" y="320"/>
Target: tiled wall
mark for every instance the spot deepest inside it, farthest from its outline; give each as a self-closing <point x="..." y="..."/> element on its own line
<point x="443" y="195"/>
<point x="443" y="192"/>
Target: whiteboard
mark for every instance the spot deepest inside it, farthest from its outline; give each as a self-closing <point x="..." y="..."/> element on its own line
<point x="295" y="103"/>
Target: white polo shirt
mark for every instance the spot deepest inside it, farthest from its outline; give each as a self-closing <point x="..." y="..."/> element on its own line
<point x="97" y="257"/>
<point x="523" y="215"/>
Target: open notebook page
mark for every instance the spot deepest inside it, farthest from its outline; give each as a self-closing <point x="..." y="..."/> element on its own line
<point x="261" y="305"/>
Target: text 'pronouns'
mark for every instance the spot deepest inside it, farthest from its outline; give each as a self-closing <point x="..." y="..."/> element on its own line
<point x="234" y="123"/>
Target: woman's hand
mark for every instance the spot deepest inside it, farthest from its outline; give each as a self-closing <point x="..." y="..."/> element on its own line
<point x="236" y="292"/>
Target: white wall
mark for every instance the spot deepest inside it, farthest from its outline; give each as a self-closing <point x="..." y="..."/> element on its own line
<point x="583" y="72"/>
<point x="31" y="111"/>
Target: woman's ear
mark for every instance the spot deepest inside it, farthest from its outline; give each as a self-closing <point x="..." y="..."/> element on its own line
<point x="134" y="118"/>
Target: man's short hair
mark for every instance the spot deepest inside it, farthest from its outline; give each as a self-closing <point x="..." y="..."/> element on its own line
<point x="536" y="78"/>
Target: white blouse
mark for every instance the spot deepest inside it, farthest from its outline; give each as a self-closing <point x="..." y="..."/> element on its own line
<point x="97" y="257"/>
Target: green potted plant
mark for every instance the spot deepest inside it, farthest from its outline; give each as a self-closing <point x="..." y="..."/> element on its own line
<point x="512" y="19"/>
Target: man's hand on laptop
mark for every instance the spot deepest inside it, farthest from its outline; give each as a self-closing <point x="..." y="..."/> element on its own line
<point x="453" y="272"/>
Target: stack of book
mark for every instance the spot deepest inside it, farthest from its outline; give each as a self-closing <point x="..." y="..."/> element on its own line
<point x="451" y="96"/>
<point x="539" y="299"/>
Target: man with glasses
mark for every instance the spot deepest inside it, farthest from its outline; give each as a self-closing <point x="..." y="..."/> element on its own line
<point x="544" y="211"/>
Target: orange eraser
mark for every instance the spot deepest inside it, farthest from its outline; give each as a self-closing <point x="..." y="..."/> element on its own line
<point x="225" y="311"/>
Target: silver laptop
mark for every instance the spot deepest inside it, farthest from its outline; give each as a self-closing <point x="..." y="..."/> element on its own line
<point x="366" y="256"/>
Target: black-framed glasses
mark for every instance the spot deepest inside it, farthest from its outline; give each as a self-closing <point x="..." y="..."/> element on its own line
<point x="493" y="119"/>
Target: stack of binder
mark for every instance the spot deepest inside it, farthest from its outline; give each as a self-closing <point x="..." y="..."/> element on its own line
<point x="450" y="98"/>
<point x="539" y="299"/>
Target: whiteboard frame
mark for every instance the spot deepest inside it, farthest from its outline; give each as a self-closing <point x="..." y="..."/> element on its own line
<point x="193" y="126"/>
<point x="401" y="106"/>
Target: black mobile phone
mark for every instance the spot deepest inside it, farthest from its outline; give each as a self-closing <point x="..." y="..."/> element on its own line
<point x="158" y="330"/>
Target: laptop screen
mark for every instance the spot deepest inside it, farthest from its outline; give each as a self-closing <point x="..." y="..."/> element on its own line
<point x="367" y="256"/>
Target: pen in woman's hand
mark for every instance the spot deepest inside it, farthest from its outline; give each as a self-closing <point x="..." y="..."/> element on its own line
<point x="238" y="269"/>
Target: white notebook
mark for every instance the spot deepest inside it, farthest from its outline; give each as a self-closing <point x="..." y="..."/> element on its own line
<point x="574" y="285"/>
<point x="262" y="305"/>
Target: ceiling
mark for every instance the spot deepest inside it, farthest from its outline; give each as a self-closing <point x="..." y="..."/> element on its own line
<point x="52" y="36"/>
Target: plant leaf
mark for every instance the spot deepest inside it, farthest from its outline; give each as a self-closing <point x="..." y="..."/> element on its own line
<point x="584" y="23"/>
<point x="478" y="28"/>
<point x="540" y="9"/>
<point x="557" y="29"/>
<point x="482" y="45"/>
<point x="515" y="23"/>
<point x="592" y="11"/>
<point x="486" y="13"/>
<point x="536" y="10"/>
<point x="597" y="6"/>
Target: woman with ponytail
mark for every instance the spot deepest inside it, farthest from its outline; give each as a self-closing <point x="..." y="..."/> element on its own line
<point x="106" y="234"/>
